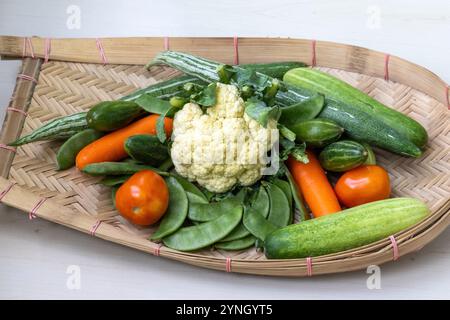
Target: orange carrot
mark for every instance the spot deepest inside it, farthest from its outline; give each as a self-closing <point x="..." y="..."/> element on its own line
<point x="111" y="146"/>
<point x="314" y="185"/>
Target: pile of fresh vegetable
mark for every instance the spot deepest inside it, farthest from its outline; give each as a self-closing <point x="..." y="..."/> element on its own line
<point x="177" y="155"/>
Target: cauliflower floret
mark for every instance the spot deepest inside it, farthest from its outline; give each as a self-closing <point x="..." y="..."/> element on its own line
<point x="223" y="147"/>
<point x="229" y="103"/>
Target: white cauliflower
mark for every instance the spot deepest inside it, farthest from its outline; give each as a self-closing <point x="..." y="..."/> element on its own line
<point x="223" y="147"/>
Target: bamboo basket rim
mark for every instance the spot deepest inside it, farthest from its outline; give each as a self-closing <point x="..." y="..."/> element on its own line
<point x="408" y="240"/>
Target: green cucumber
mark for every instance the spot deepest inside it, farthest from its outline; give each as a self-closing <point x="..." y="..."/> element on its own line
<point x="109" y="116"/>
<point x="59" y="128"/>
<point x="342" y="156"/>
<point x="147" y="149"/>
<point x="348" y="229"/>
<point x="317" y="132"/>
<point x="360" y="125"/>
<point x="339" y="90"/>
<point x="301" y="111"/>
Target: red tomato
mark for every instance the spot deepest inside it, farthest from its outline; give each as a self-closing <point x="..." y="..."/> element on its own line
<point x="143" y="199"/>
<point x="362" y="185"/>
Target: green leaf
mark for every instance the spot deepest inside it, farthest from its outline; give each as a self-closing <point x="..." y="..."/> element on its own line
<point x="206" y="97"/>
<point x="290" y="148"/>
<point x="160" y="130"/>
<point x="286" y="132"/>
<point x="259" y="111"/>
<point x="247" y="77"/>
<point x="271" y="91"/>
<point x="191" y="88"/>
<point x="152" y="104"/>
<point x="299" y="154"/>
<point x="225" y="73"/>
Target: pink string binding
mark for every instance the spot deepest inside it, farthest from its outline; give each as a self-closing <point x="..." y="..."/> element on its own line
<point x="166" y="44"/>
<point x="447" y="88"/>
<point x="394" y="248"/>
<point x="386" y="66"/>
<point x="9" y="148"/>
<point x="157" y="250"/>
<point x="101" y="51"/>
<point x="313" y="53"/>
<point x="27" y="44"/>
<point x="95" y="227"/>
<point x="228" y="265"/>
<point x="32" y="214"/>
<point x="47" y="48"/>
<point x="24" y="113"/>
<point x="309" y="269"/>
<point x="236" y="50"/>
<point x="4" y="192"/>
<point x="26" y="77"/>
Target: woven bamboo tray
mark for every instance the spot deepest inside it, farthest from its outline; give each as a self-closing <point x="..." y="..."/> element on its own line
<point x="82" y="72"/>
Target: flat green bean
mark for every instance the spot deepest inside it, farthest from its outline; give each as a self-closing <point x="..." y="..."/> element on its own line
<point x="257" y="224"/>
<point x="204" y="234"/>
<point x="261" y="205"/>
<point x="286" y="188"/>
<point x="67" y="153"/>
<point x="111" y="181"/>
<point x="177" y="211"/>
<point x="238" y="244"/>
<point x="118" y="168"/>
<point x="298" y="199"/>
<point x="195" y="198"/>
<point x="190" y="187"/>
<point x="280" y="212"/>
<point x="203" y="212"/>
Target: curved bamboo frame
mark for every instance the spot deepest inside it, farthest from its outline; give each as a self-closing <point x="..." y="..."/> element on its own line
<point x="141" y="50"/>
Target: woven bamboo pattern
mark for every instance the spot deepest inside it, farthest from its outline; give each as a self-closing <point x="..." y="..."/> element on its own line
<point x="66" y="87"/>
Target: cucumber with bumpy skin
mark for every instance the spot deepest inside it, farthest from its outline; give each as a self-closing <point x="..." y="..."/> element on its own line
<point x="60" y="128"/>
<point x="348" y="229"/>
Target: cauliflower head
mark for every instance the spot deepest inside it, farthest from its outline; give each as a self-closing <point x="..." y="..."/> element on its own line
<point x="222" y="147"/>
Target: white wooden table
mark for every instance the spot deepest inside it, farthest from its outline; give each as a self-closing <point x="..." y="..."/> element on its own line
<point x="39" y="259"/>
